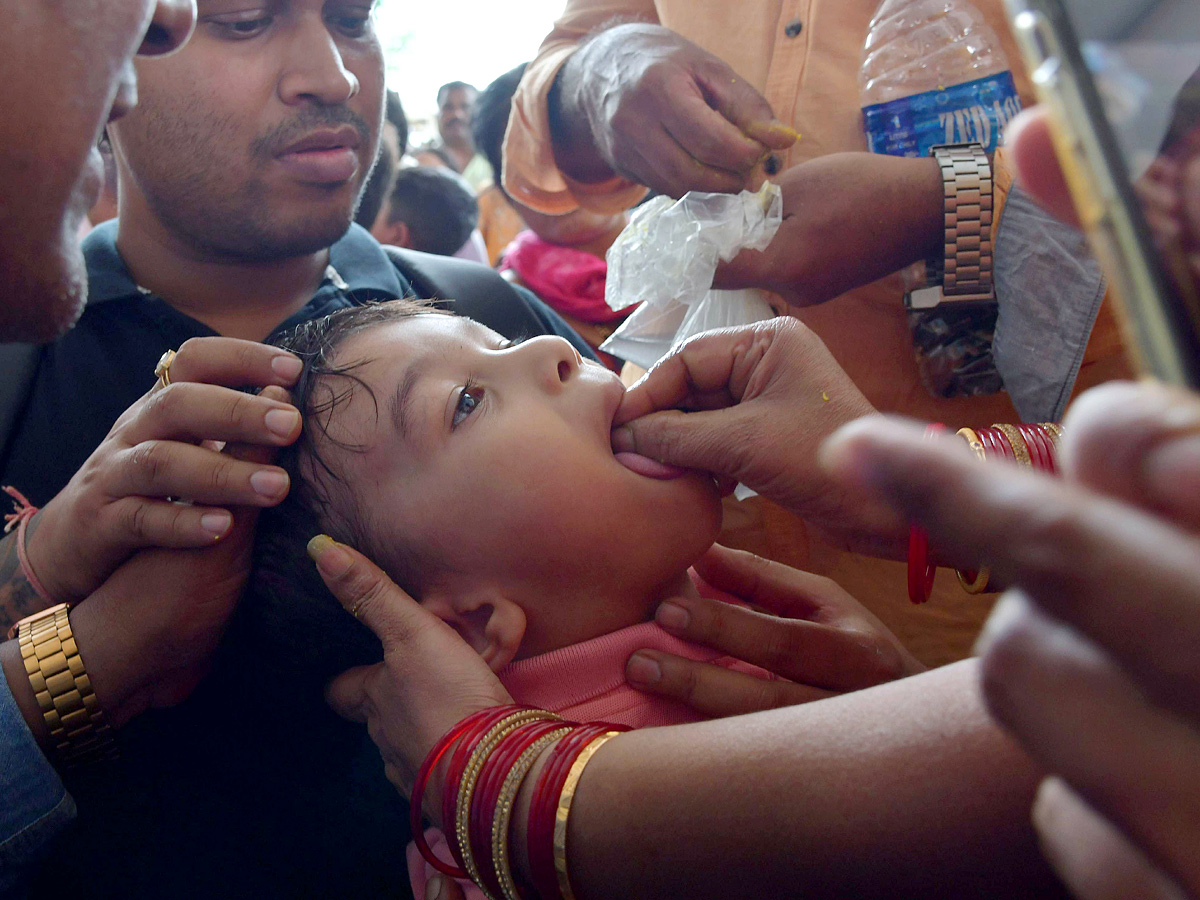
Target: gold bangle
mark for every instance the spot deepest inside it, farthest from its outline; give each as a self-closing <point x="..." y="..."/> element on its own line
<point x="504" y="810"/>
<point x="1017" y="441"/>
<point x="564" y="810"/>
<point x="475" y="762"/>
<point x="63" y="690"/>
<point x="979" y="584"/>
<point x="1054" y="430"/>
<point x="972" y="439"/>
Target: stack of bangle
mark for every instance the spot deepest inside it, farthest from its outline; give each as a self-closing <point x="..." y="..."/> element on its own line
<point x="1029" y="446"/>
<point x="493" y="752"/>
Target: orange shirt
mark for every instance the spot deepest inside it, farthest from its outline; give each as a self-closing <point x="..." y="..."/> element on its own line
<point x="499" y="222"/>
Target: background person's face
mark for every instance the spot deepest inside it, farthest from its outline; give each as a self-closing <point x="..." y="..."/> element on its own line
<point x="255" y="141"/>
<point x="65" y="62"/>
<point x="454" y="116"/>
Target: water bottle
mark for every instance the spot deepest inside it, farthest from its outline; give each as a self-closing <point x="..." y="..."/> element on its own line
<point x="934" y="73"/>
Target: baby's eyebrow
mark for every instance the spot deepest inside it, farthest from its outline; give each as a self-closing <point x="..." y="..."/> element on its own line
<point x="401" y="403"/>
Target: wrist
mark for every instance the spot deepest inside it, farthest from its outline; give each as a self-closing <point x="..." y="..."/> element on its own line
<point x="112" y="666"/>
<point x="44" y="562"/>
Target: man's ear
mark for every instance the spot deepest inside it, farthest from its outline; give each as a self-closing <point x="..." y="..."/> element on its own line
<point x="394" y="233"/>
<point x="491" y="623"/>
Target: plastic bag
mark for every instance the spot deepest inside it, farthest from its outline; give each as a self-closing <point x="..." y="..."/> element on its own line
<point x="665" y="259"/>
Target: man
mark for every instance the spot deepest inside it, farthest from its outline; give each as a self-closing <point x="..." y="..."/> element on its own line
<point x="64" y="67"/>
<point x="239" y="175"/>
<point x="683" y="96"/>
<point x="456" y="101"/>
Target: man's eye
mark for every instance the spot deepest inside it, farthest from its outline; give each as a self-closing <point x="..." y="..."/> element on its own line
<point x="469" y="399"/>
<point x="351" y="25"/>
<point x="239" y="29"/>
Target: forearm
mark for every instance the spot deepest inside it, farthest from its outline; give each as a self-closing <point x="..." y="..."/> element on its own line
<point x="18" y="598"/>
<point x="902" y="790"/>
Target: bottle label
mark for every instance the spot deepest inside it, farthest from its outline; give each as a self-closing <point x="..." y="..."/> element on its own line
<point x="968" y="113"/>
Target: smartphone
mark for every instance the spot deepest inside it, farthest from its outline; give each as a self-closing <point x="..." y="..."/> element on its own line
<point x="1121" y="81"/>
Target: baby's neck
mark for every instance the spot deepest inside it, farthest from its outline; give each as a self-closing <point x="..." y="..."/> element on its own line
<point x="587" y="616"/>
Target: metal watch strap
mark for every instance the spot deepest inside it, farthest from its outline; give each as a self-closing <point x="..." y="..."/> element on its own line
<point x="966" y="266"/>
<point x="64" y="692"/>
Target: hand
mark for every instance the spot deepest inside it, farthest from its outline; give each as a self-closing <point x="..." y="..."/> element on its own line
<point x="430" y="678"/>
<point x="1092" y="662"/>
<point x="148" y="634"/>
<point x="642" y="101"/>
<point x="117" y="502"/>
<point x="753" y="404"/>
<point x="848" y="219"/>
<point x="813" y="634"/>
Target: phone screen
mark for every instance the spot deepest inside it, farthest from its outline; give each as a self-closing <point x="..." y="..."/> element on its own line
<point x="1144" y="61"/>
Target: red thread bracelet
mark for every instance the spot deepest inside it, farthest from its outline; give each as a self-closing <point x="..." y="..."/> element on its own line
<point x="19" y="518"/>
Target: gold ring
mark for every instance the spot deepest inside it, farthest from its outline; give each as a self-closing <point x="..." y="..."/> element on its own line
<point x="163" y="369"/>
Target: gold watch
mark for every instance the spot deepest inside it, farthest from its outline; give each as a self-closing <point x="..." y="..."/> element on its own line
<point x="78" y="730"/>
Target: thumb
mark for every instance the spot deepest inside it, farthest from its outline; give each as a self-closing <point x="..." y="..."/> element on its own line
<point x="368" y="593"/>
<point x="347" y="693"/>
<point x="739" y="102"/>
<point x="439" y="887"/>
<point x="711" y="440"/>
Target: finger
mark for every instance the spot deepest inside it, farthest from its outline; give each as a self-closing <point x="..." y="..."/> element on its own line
<point x="666" y="166"/>
<point x="708" y="135"/>
<point x="739" y="102"/>
<point x="439" y="887"/>
<point x="1028" y="140"/>
<point x="1139" y="443"/>
<point x="197" y="412"/>
<point x="366" y="591"/>
<point x="347" y="693"/>
<point x="1092" y="857"/>
<point x="713" y="441"/>
<point x="1083" y="718"/>
<point x="234" y="363"/>
<point x="826" y="656"/>
<point x="710" y="690"/>
<point x="158" y="523"/>
<point x="764" y="582"/>
<point x="172" y="469"/>
<point x="1082" y="557"/>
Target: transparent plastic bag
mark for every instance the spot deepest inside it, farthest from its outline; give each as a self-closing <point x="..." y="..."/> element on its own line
<point x="665" y="260"/>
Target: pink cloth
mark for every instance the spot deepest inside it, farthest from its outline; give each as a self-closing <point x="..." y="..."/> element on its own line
<point x="569" y="280"/>
<point x="586" y="683"/>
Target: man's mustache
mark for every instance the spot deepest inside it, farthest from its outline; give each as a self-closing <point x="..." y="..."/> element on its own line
<point x="305" y="123"/>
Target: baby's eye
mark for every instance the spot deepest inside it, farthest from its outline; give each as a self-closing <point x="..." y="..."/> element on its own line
<point x="469" y="399"/>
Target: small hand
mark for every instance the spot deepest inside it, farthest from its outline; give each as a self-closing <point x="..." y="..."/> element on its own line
<point x="813" y="634"/>
<point x="644" y="102"/>
<point x="117" y="502"/>
<point x="429" y="680"/>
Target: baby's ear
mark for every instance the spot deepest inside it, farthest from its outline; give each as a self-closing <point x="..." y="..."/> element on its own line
<point x="491" y="623"/>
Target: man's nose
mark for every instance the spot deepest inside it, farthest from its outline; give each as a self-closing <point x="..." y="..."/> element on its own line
<point x="316" y="70"/>
<point x="170" y="27"/>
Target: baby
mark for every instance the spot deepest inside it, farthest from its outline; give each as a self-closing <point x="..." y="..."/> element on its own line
<point x="479" y="473"/>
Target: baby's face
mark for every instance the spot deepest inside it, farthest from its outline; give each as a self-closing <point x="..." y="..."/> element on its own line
<point x="492" y="462"/>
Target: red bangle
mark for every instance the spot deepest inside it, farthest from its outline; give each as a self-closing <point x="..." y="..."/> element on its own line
<point x="921" y="572"/>
<point x="540" y="832"/>
<point x="1035" y="437"/>
<point x="431" y="761"/>
<point x="999" y="441"/>
<point x="487" y="795"/>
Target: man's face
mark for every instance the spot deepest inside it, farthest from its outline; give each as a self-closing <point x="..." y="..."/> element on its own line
<point x="66" y="66"/>
<point x="493" y="465"/>
<point x="254" y="142"/>
<point x="454" y="116"/>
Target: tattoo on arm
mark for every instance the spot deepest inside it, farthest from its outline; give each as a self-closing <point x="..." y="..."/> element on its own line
<point x="18" y="599"/>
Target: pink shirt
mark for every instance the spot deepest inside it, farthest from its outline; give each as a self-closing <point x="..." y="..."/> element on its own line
<point x="585" y="683"/>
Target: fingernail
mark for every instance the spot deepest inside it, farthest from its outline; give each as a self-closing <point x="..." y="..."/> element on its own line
<point x="785" y="130"/>
<point x="433" y="888"/>
<point x="672" y="616"/>
<point x="643" y="669"/>
<point x="287" y="367"/>
<point x="331" y="559"/>
<point x="282" y="422"/>
<point x="1173" y="470"/>
<point x="622" y="440"/>
<point x="1007" y="612"/>
<point x="269" y="482"/>
<point x="216" y="523"/>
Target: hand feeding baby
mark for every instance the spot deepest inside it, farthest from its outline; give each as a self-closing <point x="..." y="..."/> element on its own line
<point x="479" y="473"/>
